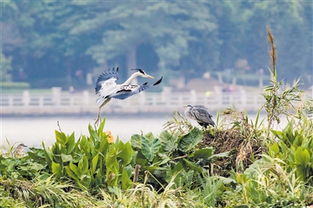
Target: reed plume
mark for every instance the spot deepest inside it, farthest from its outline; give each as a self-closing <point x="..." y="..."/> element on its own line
<point x="272" y="51"/>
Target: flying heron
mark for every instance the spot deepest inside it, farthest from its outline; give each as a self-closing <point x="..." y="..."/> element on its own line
<point x="199" y="113"/>
<point x="107" y="88"/>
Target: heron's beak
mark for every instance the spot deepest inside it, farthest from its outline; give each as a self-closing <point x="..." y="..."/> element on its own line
<point x="149" y="76"/>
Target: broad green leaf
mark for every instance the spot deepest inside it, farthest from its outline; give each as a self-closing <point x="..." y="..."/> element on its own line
<point x="94" y="163"/>
<point x="141" y="160"/>
<point x="302" y="156"/>
<point x="278" y="134"/>
<point x="169" y="141"/>
<point x="75" y="169"/>
<point x="150" y="148"/>
<point x="66" y="158"/>
<point x="83" y="164"/>
<point x="193" y="166"/>
<point x="149" y="136"/>
<point x="135" y="141"/>
<point x="125" y="152"/>
<point x="299" y="139"/>
<point x="126" y="182"/>
<point x="173" y="172"/>
<point x="112" y="171"/>
<point x="205" y="153"/>
<point x="56" y="168"/>
<point x="101" y="126"/>
<point x="112" y="166"/>
<point x="47" y="152"/>
<point x="274" y="149"/>
<point x="60" y="137"/>
<point x="70" y="173"/>
<point x="84" y="145"/>
<point x="92" y="132"/>
<point x="103" y="146"/>
<point x="190" y="140"/>
<point x="71" y="143"/>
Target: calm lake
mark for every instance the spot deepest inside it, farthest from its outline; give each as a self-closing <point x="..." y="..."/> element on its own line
<point x="33" y="130"/>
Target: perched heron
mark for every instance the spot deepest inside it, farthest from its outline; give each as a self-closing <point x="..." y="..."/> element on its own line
<point x="199" y="113"/>
<point x="19" y="150"/>
<point x="107" y="88"/>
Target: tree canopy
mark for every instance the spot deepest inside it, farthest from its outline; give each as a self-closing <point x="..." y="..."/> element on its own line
<point x="55" y="42"/>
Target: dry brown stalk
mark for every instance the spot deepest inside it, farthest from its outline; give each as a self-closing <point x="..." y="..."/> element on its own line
<point x="272" y="51"/>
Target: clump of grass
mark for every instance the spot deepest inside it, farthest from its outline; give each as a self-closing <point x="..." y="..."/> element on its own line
<point x="7" y="201"/>
<point x="268" y="184"/>
<point x="44" y="192"/>
<point x="143" y="195"/>
<point x="178" y="124"/>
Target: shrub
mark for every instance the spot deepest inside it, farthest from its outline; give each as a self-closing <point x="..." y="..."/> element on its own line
<point x="173" y="155"/>
<point x="267" y="183"/>
<point x="294" y="145"/>
<point x="93" y="161"/>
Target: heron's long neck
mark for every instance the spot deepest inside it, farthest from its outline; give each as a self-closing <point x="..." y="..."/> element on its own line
<point x="130" y="79"/>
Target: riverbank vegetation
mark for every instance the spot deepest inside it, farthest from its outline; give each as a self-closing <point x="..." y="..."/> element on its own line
<point x="237" y="163"/>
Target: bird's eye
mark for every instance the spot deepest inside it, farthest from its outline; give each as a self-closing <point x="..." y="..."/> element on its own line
<point x="141" y="71"/>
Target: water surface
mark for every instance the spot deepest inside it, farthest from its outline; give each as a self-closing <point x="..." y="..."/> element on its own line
<point x="33" y="130"/>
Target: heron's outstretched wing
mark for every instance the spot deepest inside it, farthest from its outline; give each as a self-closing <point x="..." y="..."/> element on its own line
<point x="107" y="78"/>
<point x="129" y="90"/>
<point x="106" y="84"/>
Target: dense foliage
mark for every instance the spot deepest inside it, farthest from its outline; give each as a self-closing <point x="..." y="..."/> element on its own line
<point x="175" y="169"/>
<point x="93" y="161"/>
<point x="53" y="42"/>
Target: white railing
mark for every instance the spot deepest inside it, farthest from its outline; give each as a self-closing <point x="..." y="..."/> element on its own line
<point x="62" y="102"/>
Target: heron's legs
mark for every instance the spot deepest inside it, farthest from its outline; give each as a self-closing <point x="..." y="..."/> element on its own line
<point x="99" y="111"/>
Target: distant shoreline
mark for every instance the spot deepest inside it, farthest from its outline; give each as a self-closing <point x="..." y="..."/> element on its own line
<point x="110" y="114"/>
<point x="73" y="115"/>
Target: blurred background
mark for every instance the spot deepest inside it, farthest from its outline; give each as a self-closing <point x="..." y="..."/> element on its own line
<point x="212" y="53"/>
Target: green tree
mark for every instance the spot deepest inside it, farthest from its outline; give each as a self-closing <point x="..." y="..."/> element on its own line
<point x="5" y="68"/>
<point x="51" y="39"/>
<point x="169" y="27"/>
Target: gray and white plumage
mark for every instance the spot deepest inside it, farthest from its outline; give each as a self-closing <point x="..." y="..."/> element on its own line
<point x="200" y="114"/>
<point x="107" y="88"/>
<point x="129" y="90"/>
<point x="107" y="76"/>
